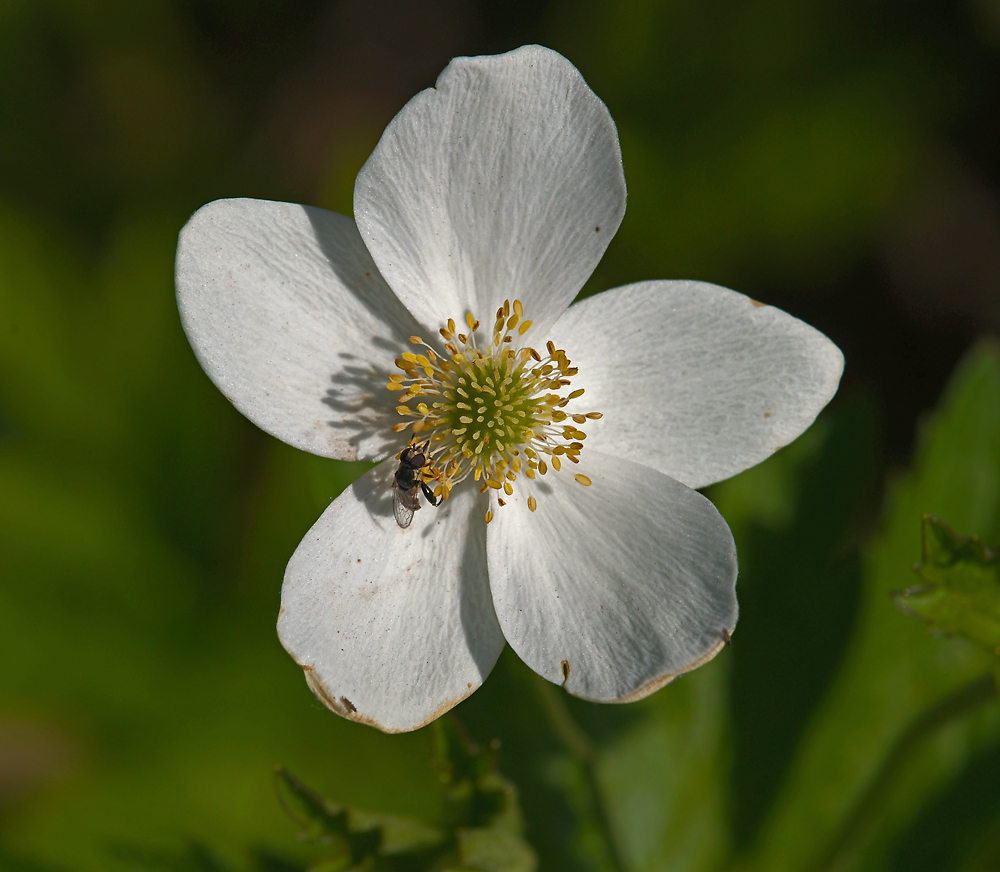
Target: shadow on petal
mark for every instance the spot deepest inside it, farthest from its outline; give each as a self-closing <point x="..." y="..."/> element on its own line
<point x="374" y="492"/>
<point x="365" y="410"/>
<point x="476" y="601"/>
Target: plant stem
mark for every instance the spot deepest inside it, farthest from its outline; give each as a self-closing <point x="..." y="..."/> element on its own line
<point x="963" y="701"/>
<point x="578" y="744"/>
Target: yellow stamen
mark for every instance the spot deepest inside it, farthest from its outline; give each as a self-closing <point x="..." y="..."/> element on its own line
<point x="492" y="408"/>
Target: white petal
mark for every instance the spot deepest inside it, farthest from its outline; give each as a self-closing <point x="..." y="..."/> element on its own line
<point x="290" y="318"/>
<point x="502" y="181"/>
<point x="693" y="379"/>
<point x="616" y="588"/>
<point x="392" y="626"/>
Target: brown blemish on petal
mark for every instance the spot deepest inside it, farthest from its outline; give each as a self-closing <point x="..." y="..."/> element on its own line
<point x="340" y="448"/>
<point x="657" y="683"/>
<point x="346" y="709"/>
<point x="727" y="638"/>
<point x="565" y="671"/>
<point x="767" y="414"/>
<point x="755" y="303"/>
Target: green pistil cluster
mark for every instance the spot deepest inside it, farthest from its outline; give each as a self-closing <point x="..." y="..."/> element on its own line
<point x="494" y="412"/>
<point x="492" y="406"/>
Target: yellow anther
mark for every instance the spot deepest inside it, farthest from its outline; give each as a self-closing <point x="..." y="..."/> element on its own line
<point x="580" y="477"/>
<point x="491" y="408"/>
<point x="489" y="516"/>
<point x="532" y="504"/>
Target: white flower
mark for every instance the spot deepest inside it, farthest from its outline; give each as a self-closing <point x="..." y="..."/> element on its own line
<point x="493" y="196"/>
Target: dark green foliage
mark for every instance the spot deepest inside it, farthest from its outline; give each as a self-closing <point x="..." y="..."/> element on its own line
<point x="961" y="590"/>
<point x="836" y="159"/>
<point x="482" y="829"/>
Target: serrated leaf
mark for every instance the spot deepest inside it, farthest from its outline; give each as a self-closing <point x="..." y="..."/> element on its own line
<point x="352" y="838"/>
<point x="960" y="595"/>
<point x="316" y="816"/>
<point x="476" y="793"/>
<point x="482" y="804"/>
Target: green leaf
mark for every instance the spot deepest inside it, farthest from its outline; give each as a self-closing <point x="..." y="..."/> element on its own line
<point x="316" y="816"/>
<point x="476" y="793"/>
<point x="961" y="590"/>
<point x="484" y="819"/>
<point x="892" y="672"/>
<point x="664" y="778"/>
<point x="495" y="849"/>
<point x="352" y="838"/>
<point x="481" y="804"/>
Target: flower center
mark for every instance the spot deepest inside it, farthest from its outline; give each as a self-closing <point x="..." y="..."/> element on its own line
<point x="492" y="410"/>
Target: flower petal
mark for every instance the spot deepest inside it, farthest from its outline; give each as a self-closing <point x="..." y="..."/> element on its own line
<point x="502" y="181"/>
<point x="392" y="626"/>
<point x="290" y="318"/>
<point x="616" y="588"/>
<point x="693" y="379"/>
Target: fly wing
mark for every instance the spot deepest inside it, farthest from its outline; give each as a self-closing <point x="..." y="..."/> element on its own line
<point x="404" y="504"/>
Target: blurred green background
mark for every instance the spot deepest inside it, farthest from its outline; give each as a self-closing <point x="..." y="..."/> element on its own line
<point x="837" y="159"/>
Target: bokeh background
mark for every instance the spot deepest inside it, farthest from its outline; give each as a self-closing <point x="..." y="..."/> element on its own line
<point x="836" y="158"/>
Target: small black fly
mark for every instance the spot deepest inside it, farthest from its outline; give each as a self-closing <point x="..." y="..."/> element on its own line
<point x="407" y="482"/>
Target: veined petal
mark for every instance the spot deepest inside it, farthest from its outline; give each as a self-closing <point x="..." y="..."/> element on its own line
<point x="392" y="626"/>
<point x="693" y="379"/>
<point x="291" y="320"/>
<point x="616" y="588"/>
<point x="503" y="181"/>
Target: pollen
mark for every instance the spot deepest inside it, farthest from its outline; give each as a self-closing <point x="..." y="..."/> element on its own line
<point x="490" y="406"/>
